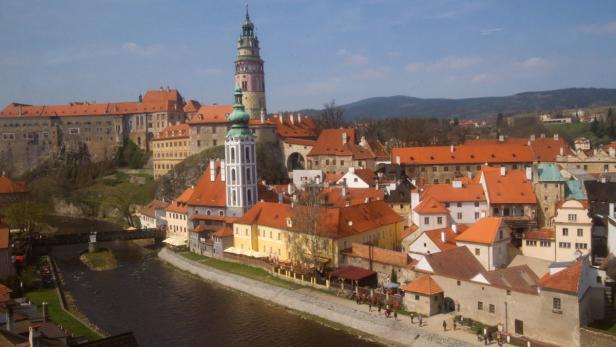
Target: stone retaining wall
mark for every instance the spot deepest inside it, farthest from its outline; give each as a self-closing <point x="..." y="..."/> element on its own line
<point x="596" y="338"/>
<point x="386" y="331"/>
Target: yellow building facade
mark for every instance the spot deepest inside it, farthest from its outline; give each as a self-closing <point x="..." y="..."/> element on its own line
<point x="170" y="148"/>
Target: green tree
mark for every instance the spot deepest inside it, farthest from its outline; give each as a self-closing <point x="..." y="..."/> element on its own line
<point x="394" y="276"/>
<point x="26" y="216"/>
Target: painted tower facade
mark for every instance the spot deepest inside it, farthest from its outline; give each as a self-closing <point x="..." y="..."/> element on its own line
<point x="240" y="161"/>
<point x="249" y="74"/>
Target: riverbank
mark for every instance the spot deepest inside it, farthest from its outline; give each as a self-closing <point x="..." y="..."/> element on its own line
<point x="340" y="312"/>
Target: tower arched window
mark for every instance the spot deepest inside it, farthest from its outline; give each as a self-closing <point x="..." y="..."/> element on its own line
<point x="248" y="176"/>
<point x="232" y="155"/>
<point x="247" y="156"/>
<point x="234" y="198"/>
<point x="232" y="176"/>
<point x="249" y="196"/>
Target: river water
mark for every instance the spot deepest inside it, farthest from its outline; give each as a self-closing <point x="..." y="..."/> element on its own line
<point x="166" y="307"/>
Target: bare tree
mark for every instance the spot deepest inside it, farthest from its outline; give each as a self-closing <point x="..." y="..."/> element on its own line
<point x="305" y="241"/>
<point x="332" y="116"/>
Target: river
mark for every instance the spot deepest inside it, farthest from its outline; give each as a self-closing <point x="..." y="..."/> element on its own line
<point x="166" y="307"/>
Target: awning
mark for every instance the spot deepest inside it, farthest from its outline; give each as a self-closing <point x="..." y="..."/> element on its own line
<point x="175" y="241"/>
<point x="352" y="273"/>
<point x="246" y="252"/>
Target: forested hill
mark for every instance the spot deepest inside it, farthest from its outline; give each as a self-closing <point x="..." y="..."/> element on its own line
<point x="544" y="101"/>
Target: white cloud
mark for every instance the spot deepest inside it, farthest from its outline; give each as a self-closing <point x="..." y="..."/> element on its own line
<point x="607" y="28"/>
<point x="147" y="50"/>
<point x="490" y="31"/>
<point x="357" y="59"/>
<point x="532" y="63"/>
<point x="446" y="63"/>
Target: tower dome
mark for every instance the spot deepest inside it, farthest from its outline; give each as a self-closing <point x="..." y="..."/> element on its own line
<point x="239" y="117"/>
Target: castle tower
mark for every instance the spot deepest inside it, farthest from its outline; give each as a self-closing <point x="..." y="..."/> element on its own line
<point x="249" y="73"/>
<point x="240" y="161"/>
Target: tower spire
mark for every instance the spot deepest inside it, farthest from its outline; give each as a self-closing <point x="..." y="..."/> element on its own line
<point x="247" y="15"/>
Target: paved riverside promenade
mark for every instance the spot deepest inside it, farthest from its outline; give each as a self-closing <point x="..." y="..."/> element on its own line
<point x="335" y="309"/>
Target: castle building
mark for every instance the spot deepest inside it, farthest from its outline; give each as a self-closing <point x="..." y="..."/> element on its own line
<point x="240" y="163"/>
<point x="170" y="148"/>
<point x="249" y="74"/>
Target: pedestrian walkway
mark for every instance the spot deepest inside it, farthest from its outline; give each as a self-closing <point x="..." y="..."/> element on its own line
<point x="432" y="324"/>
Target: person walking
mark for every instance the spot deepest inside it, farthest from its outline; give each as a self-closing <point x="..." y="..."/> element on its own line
<point x="454" y="325"/>
<point x="412" y="318"/>
<point x="379" y="307"/>
<point x="395" y="315"/>
<point x="420" y="320"/>
<point x="369" y="306"/>
<point x="444" y="326"/>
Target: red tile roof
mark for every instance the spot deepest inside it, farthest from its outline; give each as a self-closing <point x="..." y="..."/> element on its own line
<point x="458" y="263"/>
<point x="352" y="273"/>
<point x="211" y="114"/>
<point x="484" y="231"/>
<point x="379" y="255"/>
<point x="150" y="209"/>
<point x="335" y="222"/>
<point x="210" y="193"/>
<point x="435" y="236"/>
<point x="463" y="154"/>
<point x="192" y="106"/>
<point x="354" y="196"/>
<point x="469" y="191"/>
<point x="330" y="142"/>
<point x="223" y="232"/>
<point x="179" y="204"/>
<point x="8" y="186"/>
<point x="519" y="278"/>
<point x="423" y="285"/>
<point x="176" y="131"/>
<point x="366" y="175"/>
<point x="431" y="206"/>
<point x="543" y="149"/>
<point x="302" y="126"/>
<point x="567" y="280"/>
<point x="513" y="188"/>
<point x="296" y="141"/>
<point x="542" y="234"/>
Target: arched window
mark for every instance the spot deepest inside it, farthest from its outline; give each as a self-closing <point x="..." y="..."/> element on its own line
<point x="249" y="196"/>
<point x="247" y="156"/>
<point x="248" y="175"/>
<point x="234" y="198"/>
<point x="233" y="155"/>
<point x="232" y="176"/>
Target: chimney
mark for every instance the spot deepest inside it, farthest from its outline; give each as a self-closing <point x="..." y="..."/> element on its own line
<point x="501" y="138"/>
<point x="291" y="118"/>
<point x="529" y="173"/>
<point x="262" y="116"/>
<point x="299" y="118"/>
<point x="555" y="137"/>
<point x="280" y="118"/>
<point x="280" y="198"/>
<point x="398" y="159"/>
<point x="363" y="142"/>
<point x="562" y="151"/>
<point x="451" y="148"/>
<point x="443" y="239"/>
<point x="543" y="136"/>
<point x="351" y="169"/>
<point x="344" y="192"/>
<point x="454" y="228"/>
<point x="34" y="335"/>
<point x="45" y="311"/>
<point x="223" y="170"/>
<point x="503" y="171"/>
<point x="318" y="179"/>
<point x="350" y="223"/>
<point x="289" y="189"/>
<point x="532" y="137"/>
<point x="366" y="200"/>
<point x="603" y="179"/>
<point x="345" y="138"/>
<point x="456" y="184"/>
<point x="212" y="170"/>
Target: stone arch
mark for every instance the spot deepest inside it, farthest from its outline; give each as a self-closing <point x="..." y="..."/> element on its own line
<point x="296" y="161"/>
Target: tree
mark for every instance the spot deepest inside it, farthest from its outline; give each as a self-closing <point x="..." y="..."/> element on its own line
<point x="499" y="120"/>
<point x="394" y="276"/>
<point x="27" y="216"/>
<point x="331" y="116"/>
<point x="270" y="165"/>
<point x="305" y="241"/>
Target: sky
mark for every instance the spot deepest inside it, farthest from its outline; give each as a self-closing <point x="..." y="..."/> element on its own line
<point x="315" y="51"/>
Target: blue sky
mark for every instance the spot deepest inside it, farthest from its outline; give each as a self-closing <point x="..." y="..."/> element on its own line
<point x="314" y="50"/>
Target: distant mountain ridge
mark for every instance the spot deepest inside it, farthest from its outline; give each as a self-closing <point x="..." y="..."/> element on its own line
<point x="541" y="101"/>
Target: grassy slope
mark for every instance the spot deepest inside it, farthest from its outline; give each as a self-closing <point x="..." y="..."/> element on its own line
<point x="242" y="270"/>
<point x="57" y="315"/>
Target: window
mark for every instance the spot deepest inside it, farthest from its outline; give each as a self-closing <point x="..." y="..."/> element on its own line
<point x="447" y="204"/>
<point x="439" y="220"/>
<point x="556" y="307"/>
<point x="426" y="220"/>
<point x="477" y="251"/>
<point x="416" y="297"/>
<point x="446" y="168"/>
<point x="545" y="243"/>
<point x="479" y="305"/>
<point x="248" y="176"/>
<point x="531" y="243"/>
<point x="508" y="292"/>
<point x="564" y="244"/>
<point x="581" y="246"/>
<point x="342" y="163"/>
<point x="476" y="203"/>
<point x="233" y="155"/>
<point x="73" y="131"/>
<point x="459" y="204"/>
<point x="491" y="308"/>
<point x="565" y="232"/>
<point x="476" y="215"/>
<point x="459" y="283"/>
<point x="459" y="215"/>
<point x="434" y="168"/>
<point x="580" y="232"/>
<point x="572" y="217"/>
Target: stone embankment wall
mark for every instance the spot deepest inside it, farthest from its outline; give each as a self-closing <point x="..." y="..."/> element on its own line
<point x="388" y="331"/>
<point x="595" y="338"/>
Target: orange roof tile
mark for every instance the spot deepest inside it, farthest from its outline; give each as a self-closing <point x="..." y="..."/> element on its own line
<point x="223" y="232"/>
<point x="354" y="196"/>
<point x="150" y="209"/>
<point x="469" y="191"/>
<point x="366" y="175"/>
<point x="423" y="285"/>
<point x="513" y="188"/>
<point x="296" y="141"/>
<point x="330" y="142"/>
<point x="380" y="255"/>
<point x="543" y="149"/>
<point x="567" y="280"/>
<point x="407" y="231"/>
<point x="179" y="204"/>
<point x="333" y="177"/>
<point x="542" y="234"/>
<point x="192" y="106"/>
<point x="463" y="154"/>
<point x="8" y="186"/>
<point x="334" y="222"/>
<point x="450" y="238"/>
<point x="430" y="206"/>
<point x="208" y="192"/>
<point x="173" y="132"/>
<point x="484" y="231"/>
<point x="212" y="114"/>
<point x="301" y="126"/>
